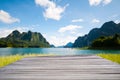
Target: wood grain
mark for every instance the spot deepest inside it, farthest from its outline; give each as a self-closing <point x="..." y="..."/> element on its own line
<point x="82" y="67"/>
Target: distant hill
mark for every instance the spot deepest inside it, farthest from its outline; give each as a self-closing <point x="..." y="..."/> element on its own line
<point x="25" y="39"/>
<point x="52" y="46"/>
<point x="68" y="45"/>
<point x="107" y="29"/>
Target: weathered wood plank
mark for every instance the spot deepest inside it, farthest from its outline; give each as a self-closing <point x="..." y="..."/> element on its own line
<point x="84" y="67"/>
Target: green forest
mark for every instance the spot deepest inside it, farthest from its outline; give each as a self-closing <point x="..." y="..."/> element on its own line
<point x="111" y="42"/>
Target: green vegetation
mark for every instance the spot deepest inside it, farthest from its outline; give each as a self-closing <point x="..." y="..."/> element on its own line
<point x="25" y="39"/>
<point x="21" y="43"/>
<point x="6" y="60"/>
<point x="84" y="48"/>
<point x="107" y="29"/>
<point x="112" y="57"/>
<point x="111" y="42"/>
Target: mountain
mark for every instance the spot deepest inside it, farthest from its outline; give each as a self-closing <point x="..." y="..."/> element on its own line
<point x="108" y="29"/>
<point x="25" y="39"/>
<point x="68" y="45"/>
<point x="52" y="46"/>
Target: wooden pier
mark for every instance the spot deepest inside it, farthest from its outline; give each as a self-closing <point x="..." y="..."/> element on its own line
<point x="84" y="67"/>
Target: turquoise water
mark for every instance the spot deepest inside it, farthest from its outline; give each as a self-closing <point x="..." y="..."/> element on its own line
<point x="58" y="51"/>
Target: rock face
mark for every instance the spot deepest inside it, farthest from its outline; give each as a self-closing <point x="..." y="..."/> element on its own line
<point x="107" y="29"/>
<point x="25" y="39"/>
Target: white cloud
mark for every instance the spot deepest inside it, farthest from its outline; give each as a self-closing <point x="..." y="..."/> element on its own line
<point x="97" y="2"/>
<point x="64" y="35"/>
<point x="95" y="21"/>
<point x="52" y="10"/>
<point x="6" y="18"/>
<point x="117" y="21"/>
<point x="77" y="20"/>
<point x="69" y="28"/>
<point x="6" y="31"/>
<point x="94" y="2"/>
<point x="105" y="2"/>
<point x="61" y="39"/>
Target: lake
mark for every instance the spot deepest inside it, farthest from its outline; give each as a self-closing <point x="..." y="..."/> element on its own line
<point x="57" y="51"/>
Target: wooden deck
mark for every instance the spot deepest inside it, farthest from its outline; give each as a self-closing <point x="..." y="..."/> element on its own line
<point x="84" y="67"/>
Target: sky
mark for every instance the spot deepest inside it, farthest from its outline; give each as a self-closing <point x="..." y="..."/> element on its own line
<point x="59" y="21"/>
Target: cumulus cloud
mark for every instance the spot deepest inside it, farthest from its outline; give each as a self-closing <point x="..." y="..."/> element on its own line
<point x="95" y="21"/>
<point x="64" y="35"/>
<point x="77" y="20"/>
<point x="69" y="28"/>
<point x="97" y="2"/>
<point x="94" y="2"/>
<point x="52" y="11"/>
<point x="6" y="18"/>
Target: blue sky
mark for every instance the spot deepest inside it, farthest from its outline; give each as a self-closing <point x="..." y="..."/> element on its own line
<point x="60" y="21"/>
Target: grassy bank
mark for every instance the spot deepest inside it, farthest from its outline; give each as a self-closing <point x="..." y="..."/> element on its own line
<point x="6" y="60"/>
<point x="112" y="57"/>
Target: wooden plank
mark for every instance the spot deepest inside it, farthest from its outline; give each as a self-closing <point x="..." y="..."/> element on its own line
<point x="82" y="67"/>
